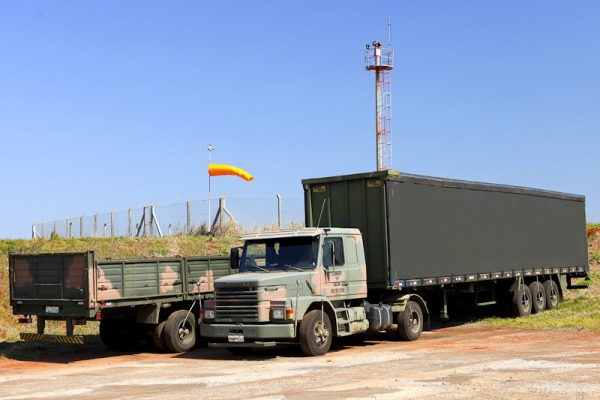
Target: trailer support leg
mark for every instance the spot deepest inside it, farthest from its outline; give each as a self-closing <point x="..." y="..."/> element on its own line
<point x="444" y="311"/>
<point x="70" y="326"/>
<point x="41" y="325"/>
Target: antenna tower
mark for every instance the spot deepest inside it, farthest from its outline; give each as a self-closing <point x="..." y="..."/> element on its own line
<point x="381" y="60"/>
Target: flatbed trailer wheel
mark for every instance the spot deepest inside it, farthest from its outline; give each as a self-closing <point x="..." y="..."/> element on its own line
<point x="159" y="337"/>
<point x="315" y="333"/>
<point x="180" y="331"/>
<point x="410" y="322"/>
<point x="538" y="295"/>
<point x="552" y="294"/>
<point x="522" y="302"/>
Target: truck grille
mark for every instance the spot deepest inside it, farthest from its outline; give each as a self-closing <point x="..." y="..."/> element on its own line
<point x="236" y="304"/>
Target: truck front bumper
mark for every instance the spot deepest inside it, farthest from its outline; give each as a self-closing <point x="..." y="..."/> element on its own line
<point x="231" y="335"/>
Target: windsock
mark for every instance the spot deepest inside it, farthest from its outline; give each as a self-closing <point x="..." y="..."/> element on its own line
<point x="224" y="169"/>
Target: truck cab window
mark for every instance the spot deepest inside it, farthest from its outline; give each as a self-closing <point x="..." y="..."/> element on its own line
<point x="333" y="244"/>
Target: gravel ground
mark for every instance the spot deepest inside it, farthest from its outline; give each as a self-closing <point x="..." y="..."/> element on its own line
<point x="462" y="362"/>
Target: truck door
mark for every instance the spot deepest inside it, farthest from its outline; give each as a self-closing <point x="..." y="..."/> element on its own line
<point x="341" y="277"/>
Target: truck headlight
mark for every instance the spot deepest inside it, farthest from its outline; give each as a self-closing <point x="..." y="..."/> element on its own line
<point x="208" y="314"/>
<point x="278" y="313"/>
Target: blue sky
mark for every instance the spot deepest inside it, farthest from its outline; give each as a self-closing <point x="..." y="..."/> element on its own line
<point x="106" y="105"/>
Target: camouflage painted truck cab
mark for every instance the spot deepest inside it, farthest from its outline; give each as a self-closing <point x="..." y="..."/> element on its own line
<point x="424" y="240"/>
<point x="155" y="299"/>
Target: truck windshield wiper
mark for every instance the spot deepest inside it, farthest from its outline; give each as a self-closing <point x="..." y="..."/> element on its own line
<point x="261" y="268"/>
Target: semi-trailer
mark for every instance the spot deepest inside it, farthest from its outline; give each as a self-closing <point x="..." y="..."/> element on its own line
<point x="153" y="299"/>
<point x="382" y="250"/>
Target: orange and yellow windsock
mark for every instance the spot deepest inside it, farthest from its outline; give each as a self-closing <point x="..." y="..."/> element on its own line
<point x="224" y="169"/>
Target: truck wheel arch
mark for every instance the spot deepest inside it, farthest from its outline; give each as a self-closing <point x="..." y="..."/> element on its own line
<point x="328" y="309"/>
<point x="403" y="301"/>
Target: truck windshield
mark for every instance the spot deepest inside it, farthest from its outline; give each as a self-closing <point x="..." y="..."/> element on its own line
<point x="297" y="253"/>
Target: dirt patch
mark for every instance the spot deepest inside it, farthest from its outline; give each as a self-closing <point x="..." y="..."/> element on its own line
<point x="463" y="362"/>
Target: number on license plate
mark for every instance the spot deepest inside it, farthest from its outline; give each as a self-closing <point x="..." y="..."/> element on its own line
<point x="52" y="309"/>
<point x="235" y="338"/>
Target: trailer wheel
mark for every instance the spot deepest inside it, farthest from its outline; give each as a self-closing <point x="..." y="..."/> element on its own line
<point x="119" y="334"/>
<point x="538" y="295"/>
<point x="522" y="302"/>
<point x="552" y="294"/>
<point x="315" y="333"/>
<point x="159" y="337"/>
<point x="180" y="331"/>
<point x="410" y="322"/>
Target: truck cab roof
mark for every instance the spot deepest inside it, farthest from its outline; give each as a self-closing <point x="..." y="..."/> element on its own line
<point x="300" y="232"/>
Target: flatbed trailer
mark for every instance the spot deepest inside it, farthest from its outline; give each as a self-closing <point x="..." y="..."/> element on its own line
<point x="155" y="299"/>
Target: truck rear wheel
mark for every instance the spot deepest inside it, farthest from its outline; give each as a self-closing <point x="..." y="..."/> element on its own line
<point x="180" y="331"/>
<point x="522" y="302"/>
<point x="538" y="295"/>
<point x="315" y="333"/>
<point x="410" y="322"/>
<point x="552" y="294"/>
<point x="159" y="337"/>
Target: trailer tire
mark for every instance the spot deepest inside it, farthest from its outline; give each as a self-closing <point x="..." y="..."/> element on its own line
<point x="538" y="296"/>
<point x="119" y="334"/>
<point x="410" y="322"/>
<point x="180" y="331"/>
<point x="552" y="294"/>
<point x="315" y="333"/>
<point x="158" y="335"/>
<point x="522" y="302"/>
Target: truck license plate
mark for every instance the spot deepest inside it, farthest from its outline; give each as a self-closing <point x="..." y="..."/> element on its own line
<point x="235" y="338"/>
<point x="52" y="309"/>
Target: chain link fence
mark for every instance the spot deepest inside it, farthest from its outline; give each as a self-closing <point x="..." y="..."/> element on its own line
<point x="191" y="217"/>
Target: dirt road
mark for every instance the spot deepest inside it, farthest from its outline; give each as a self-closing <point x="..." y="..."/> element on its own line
<point x="463" y="362"/>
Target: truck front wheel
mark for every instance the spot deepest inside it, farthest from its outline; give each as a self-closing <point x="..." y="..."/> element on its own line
<point x="315" y="333"/>
<point x="410" y="322"/>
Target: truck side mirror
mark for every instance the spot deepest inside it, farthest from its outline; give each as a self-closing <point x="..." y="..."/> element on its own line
<point x="328" y="259"/>
<point x="234" y="258"/>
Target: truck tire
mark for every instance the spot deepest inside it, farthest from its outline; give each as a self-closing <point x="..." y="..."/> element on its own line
<point x="119" y="334"/>
<point x="522" y="302"/>
<point x="180" y="331"/>
<point x="315" y="333"/>
<point x="552" y="294"/>
<point x="538" y="296"/>
<point x="159" y="337"/>
<point x="410" y="322"/>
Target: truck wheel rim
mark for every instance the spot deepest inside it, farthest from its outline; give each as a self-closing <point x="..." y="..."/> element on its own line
<point x="414" y="321"/>
<point x="321" y="334"/>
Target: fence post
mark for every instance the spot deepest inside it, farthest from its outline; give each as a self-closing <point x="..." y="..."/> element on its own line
<point x="81" y="225"/>
<point x="145" y="224"/>
<point x="104" y="230"/>
<point x="152" y="220"/>
<point x="188" y="228"/>
<point x="43" y="229"/>
<point x="33" y="230"/>
<point x="112" y="223"/>
<point x="129" y="231"/>
<point x="279" y="211"/>
<point x="96" y="224"/>
<point x="54" y="230"/>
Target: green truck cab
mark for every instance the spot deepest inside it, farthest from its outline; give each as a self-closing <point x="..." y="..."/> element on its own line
<point x="304" y="286"/>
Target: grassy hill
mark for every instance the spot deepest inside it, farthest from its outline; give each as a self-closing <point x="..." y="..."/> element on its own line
<point x="580" y="311"/>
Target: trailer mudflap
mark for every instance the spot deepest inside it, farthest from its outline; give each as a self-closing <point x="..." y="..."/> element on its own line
<point x="36" y="337"/>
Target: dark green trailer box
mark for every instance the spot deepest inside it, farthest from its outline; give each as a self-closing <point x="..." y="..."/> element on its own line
<point x="421" y="230"/>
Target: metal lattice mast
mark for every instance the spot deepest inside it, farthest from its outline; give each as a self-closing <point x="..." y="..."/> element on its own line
<point x="381" y="60"/>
